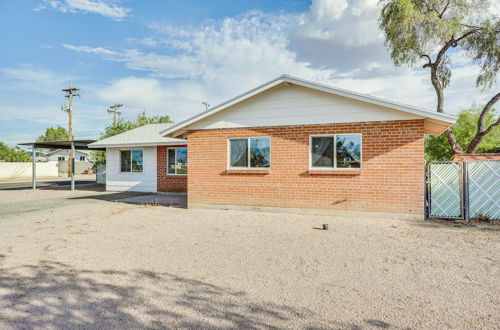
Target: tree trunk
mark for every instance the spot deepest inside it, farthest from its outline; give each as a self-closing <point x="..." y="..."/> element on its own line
<point x="455" y="146"/>
<point x="438" y="87"/>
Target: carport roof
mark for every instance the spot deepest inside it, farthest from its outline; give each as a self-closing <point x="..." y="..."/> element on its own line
<point x="79" y="144"/>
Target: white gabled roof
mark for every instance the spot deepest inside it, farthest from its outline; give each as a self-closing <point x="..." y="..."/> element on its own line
<point x="87" y="152"/>
<point x="147" y="135"/>
<point x="436" y="122"/>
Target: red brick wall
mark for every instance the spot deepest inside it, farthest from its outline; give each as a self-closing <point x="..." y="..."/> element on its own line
<point x="168" y="183"/>
<point x="392" y="178"/>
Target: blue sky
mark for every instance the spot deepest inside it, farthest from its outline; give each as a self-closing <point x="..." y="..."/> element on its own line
<point x="166" y="57"/>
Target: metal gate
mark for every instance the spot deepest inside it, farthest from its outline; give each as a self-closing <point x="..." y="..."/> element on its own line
<point x="463" y="190"/>
<point x="101" y="174"/>
<point x="445" y="193"/>
<point x="483" y="183"/>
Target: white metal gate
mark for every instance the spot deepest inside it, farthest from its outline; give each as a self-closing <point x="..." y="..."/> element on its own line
<point x="483" y="183"/>
<point x="463" y="190"/>
<point x="445" y="193"/>
<point x="101" y="174"/>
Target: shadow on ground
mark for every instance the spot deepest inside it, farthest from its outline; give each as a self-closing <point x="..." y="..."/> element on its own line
<point x="56" y="295"/>
<point x="456" y="225"/>
<point x="137" y="198"/>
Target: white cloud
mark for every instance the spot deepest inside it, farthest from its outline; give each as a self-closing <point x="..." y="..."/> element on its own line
<point x="226" y="57"/>
<point x="335" y="41"/>
<point x="153" y="95"/>
<point x="343" y="35"/>
<point x="34" y="79"/>
<point x="90" y="50"/>
<point x="102" y="7"/>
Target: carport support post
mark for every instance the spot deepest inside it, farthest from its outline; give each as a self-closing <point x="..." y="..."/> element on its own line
<point x="72" y="165"/>
<point x="33" y="174"/>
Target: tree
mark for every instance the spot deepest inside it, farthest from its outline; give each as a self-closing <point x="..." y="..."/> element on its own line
<point x="434" y="31"/>
<point x="121" y="126"/>
<point x="54" y="134"/>
<point x="437" y="148"/>
<point x="10" y="154"/>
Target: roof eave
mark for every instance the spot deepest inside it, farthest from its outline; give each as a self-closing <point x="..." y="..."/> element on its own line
<point x="131" y="145"/>
<point x="180" y="128"/>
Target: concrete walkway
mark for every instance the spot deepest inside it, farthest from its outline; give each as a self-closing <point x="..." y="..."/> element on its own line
<point x="170" y="199"/>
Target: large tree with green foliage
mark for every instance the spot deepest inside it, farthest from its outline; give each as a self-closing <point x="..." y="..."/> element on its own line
<point x="431" y="33"/>
<point x="13" y="154"/>
<point x="54" y="134"/>
<point x="437" y="148"/>
<point x="120" y="126"/>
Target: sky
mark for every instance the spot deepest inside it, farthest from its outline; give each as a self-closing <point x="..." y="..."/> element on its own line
<point x="167" y="57"/>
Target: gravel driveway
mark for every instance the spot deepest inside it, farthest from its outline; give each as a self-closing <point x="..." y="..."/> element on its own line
<point x="89" y="263"/>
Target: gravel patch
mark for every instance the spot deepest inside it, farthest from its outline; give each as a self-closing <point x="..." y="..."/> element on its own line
<point x="94" y="264"/>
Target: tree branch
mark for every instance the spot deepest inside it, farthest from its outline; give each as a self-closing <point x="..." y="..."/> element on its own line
<point x="465" y="36"/>
<point x="451" y="43"/>
<point x="481" y="123"/>
<point x="428" y="59"/>
<point x="443" y="50"/>
<point x="444" y="9"/>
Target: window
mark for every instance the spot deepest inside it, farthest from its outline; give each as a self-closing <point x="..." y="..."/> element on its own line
<point x="61" y="158"/>
<point x="131" y="160"/>
<point x="177" y="161"/>
<point x="82" y="158"/>
<point x="250" y="152"/>
<point x="336" y="151"/>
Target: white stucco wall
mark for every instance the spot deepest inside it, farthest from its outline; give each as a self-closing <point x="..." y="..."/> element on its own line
<point x="120" y="181"/>
<point x="24" y="170"/>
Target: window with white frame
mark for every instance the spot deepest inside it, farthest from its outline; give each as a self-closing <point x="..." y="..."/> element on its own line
<point x="342" y="151"/>
<point x="82" y="158"/>
<point x="131" y="161"/>
<point x="61" y="158"/>
<point x="250" y="152"/>
<point x="177" y="161"/>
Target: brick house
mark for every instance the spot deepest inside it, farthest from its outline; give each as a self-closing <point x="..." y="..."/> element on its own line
<point x="289" y="143"/>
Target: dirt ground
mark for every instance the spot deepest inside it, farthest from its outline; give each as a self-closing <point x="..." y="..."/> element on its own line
<point x="78" y="260"/>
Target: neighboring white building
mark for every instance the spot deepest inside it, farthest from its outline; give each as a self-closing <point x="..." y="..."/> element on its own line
<point x="62" y="154"/>
<point x="131" y="157"/>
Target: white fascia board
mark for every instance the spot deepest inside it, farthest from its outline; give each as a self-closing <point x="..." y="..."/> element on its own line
<point x="131" y="145"/>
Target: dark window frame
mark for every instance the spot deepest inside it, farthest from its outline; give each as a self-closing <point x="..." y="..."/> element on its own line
<point x="131" y="151"/>
<point x="335" y="166"/>
<point x="248" y="160"/>
<point x="175" y="157"/>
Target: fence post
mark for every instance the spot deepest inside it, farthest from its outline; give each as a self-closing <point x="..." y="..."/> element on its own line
<point x="465" y="191"/>
<point x="426" y="192"/>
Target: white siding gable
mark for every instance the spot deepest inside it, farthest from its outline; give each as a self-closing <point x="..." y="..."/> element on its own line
<point x="119" y="181"/>
<point x="297" y="105"/>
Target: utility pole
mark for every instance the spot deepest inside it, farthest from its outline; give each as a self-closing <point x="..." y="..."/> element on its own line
<point x="205" y="103"/>
<point x="70" y="92"/>
<point x="114" y="110"/>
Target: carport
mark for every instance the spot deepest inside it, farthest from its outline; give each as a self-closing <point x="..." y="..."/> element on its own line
<point x="73" y="145"/>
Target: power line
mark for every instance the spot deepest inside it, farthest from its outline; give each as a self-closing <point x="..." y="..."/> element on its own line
<point x="70" y="92"/>
<point x="205" y="103"/>
<point x="114" y="110"/>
